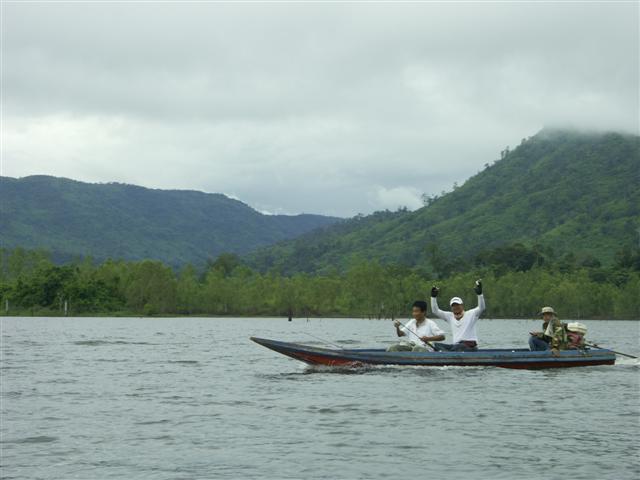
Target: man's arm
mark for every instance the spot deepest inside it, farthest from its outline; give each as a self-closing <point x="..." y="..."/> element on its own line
<point x="436" y="311"/>
<point x="434" y="305"/>
<point x="559" y="338"/>
<point x="399" y="331"/>
<point x="555" y="342"/>
<point x="481" y="304"/>
<point x="434" y="334"/>
<point x="435" y="338"/>
<point x="474" y="313"/>
<point x="478" y="290"/>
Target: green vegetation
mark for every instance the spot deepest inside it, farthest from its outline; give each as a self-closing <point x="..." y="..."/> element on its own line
<point x="556" y="221"/>
<point x="33" y="285"/>
<point x="72" y="219"/>
<point x="563" y="192"/>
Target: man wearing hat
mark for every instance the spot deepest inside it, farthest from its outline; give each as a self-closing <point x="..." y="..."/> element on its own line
<point x="539" y="340"/>
<point x="462" y="323"/>
<point x="554" y="333"/>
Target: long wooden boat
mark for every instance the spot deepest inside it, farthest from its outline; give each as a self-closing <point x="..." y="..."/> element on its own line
<point x="505" y="358"/>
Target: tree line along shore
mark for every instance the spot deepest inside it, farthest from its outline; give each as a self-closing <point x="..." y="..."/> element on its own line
<point x="31" y="284"/>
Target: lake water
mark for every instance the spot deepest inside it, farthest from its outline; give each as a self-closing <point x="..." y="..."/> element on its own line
<point x="183" y="398"/>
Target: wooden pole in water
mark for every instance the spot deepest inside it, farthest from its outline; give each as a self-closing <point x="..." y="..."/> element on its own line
<point x="66" y="308"/>
<point x="6" y="305"/>
<point x="617" y="353"/>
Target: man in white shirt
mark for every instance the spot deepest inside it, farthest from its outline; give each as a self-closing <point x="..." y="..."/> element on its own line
<point x="462" y="323"/>
<point x="418" y="332"/>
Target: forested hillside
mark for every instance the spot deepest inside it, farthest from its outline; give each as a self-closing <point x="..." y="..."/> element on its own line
<point x="560" y="196"/>
<point x="552" y="222"/>
<point x="70" y="219"/>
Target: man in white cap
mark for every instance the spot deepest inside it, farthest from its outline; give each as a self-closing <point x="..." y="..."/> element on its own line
<point x="463" y="323"/>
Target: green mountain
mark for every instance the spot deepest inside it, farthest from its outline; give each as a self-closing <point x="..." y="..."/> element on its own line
<point x="561" y="193"/>
<point x="71" y="218"/>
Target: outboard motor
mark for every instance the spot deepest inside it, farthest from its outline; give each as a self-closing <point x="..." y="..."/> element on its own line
<point x="576" y="332"/>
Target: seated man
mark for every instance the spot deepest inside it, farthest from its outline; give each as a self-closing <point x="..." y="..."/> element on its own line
<point x="538" y="340"/>
<point x="463" y="324"/>
<point x="555" y="332"/>
<point x="417" y="332"/>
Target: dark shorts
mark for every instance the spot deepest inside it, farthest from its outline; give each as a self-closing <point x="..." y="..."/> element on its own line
<point x="464" y="346"/>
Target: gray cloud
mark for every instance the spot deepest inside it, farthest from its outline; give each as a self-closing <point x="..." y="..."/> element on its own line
<point x="327" y="108"/>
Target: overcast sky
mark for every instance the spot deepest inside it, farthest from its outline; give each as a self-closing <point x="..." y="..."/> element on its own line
<point x="319" y="108"/>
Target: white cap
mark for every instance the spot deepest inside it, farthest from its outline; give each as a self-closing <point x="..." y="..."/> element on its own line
<point x="457" y="300"/>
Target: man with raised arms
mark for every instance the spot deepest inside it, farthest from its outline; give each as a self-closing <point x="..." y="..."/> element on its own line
<point x="462" y="323"/>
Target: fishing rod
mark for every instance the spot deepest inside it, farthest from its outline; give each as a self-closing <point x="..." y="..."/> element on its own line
<point x="324" y="341"/>
<point x="617" y="353"/>
<point x="415" y="334"/>
<point x="401" y="324"/>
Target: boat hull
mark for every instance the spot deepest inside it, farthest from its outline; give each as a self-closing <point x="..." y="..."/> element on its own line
<point x="503" y="358"/>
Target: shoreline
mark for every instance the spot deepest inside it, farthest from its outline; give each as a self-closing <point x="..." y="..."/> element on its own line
<point x="283" y="317"/>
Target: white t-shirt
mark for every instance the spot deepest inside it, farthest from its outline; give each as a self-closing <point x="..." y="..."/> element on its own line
<point x="428" y="328"/>
<point x="465" y="328"/>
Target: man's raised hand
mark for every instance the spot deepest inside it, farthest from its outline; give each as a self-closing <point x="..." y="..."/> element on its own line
<point x="434" y="291"/>
<point x="478" y="287"/>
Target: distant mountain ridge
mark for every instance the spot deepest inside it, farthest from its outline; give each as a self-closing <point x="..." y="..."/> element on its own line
<point x="568" y="192"/>
<point x="113" y="220"/>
